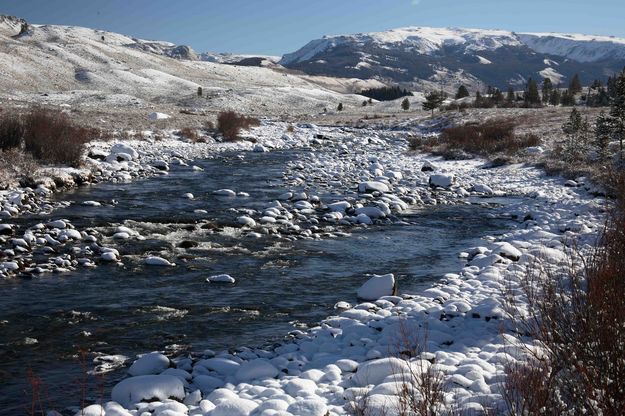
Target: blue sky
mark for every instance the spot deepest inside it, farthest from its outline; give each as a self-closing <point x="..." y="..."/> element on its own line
<point x="276" y="27"/>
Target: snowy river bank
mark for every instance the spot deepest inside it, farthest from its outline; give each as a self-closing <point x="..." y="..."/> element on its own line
<point x="300" y="231"/>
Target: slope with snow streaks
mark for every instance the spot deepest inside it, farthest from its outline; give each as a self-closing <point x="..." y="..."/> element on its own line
<point x="581" y="48"/>
<point x="421" y="40"/>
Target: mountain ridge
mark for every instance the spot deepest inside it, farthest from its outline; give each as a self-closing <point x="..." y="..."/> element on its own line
<point x="417" y="54"/>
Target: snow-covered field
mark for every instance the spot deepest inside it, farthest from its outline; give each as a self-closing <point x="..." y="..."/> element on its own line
<point x="351" y="357"/>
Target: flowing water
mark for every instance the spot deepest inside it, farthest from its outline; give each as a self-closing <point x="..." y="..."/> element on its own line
<point x="281" y="285"/>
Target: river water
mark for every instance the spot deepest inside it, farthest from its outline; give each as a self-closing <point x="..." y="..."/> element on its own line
<point x="281" y="285"/>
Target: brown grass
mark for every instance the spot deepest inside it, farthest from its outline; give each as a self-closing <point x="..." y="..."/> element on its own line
<point x="51" y="137"/>
<point x="577" y="313"/>
<point x="230" y="124"/>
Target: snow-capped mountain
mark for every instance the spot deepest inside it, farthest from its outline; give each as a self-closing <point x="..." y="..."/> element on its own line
<point x="581" y="48"/>
<point x="421" y="55"/>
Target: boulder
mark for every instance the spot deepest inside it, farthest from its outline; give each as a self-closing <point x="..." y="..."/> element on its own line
<point x="441" y="181"/>
<point x="377" y="286"/>
<point x="133" y="390"/>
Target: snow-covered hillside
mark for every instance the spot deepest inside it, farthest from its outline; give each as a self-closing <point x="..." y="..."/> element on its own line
<point x="494" y="57"/>
<point x="581" y="48"/>
<point x="75" y="63"/>
<point x="421" y="40"/>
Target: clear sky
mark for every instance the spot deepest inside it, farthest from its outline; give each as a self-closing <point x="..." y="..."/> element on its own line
<point x="280" y="26"/>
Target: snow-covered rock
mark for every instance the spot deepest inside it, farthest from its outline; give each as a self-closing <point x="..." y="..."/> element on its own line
<point x="221" y="278"/>
<point x="157" y="261"/>
<point x="154" y="116"/>
<point x="371" y="186"/>
<point x="152" y="363"/>
<point x="376" y="287"/>
<point x="136" y="389"/>
<point x="442" y="181"/>
<point x="256" y="370"/>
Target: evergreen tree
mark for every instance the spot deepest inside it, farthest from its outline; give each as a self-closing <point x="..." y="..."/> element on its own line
<point x="568" y="99"/>
<point x="462" y="92"/>
<point x="386" y="93"/>
<point x="596" y="84"/>
<point x="531" y="96"/>
<point x="547" y="88"/>
<point x="199" y="91"/>
<point x="576" y="130"/>
<point x="599" y="99"/>
<point x="405" y="105"/>
<point x="433" y="100"/>
<point x="554" y="98"/>
<point x="510" y="94"/>
<point x="478" y="99"/>
<point x="364" y="103"/>
<point x="611" y="85"/>
<point x="497" y="96"/>
<point x="603" y="135"/>
<point x="340" y="107"/>
<point x="617" y="110"/>
<point x="575" y="87"/>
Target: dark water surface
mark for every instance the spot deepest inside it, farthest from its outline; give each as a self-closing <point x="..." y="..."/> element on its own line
<point x="135" y="308"/>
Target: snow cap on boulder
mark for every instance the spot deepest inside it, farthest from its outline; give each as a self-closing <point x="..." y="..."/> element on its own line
<point x="136" y="389"/>
<point x="377" y="286"/>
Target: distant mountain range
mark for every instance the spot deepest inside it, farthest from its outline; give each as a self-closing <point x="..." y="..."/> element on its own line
<point x="418" y="58"/>
<point x="424" y="56"/>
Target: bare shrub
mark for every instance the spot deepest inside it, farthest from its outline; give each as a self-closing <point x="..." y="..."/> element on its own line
<point x="577" y="314"/>
<point x="493" y="137"/>
<point x="11" y="131"/>
<point x="486" y="138"/>
<point x="189" y="133"/>
<point x="229" y="123"/>
<point x="51" y="137"/>
<point x="16" y="167"/>
<point x="290" y="128"/>
<point x="414" y="143"/>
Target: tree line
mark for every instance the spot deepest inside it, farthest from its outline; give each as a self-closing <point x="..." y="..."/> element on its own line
<point x="597" y="94"/>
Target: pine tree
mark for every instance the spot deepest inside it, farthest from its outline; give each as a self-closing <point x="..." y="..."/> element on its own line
<point x="433" y="100"/>
<point x="547" y="88"/>
<point x="617" y="110"/>
<point x="603" y="135"/>
<point x="575" y="87"/>
<point x="405" y="105"/>
<point x="568" y="98"/>
<point x="364" y="103"/>
<point x="340" y="107"/>
<point x="497" y="96"/>
<point x="478" y="99"/>
<point x="576" y="130"/>
<point x="554" y="98"/>
<point x="199" y="91"/>
<point x="462" y="92"/>
<point x="611" y="85"/>
<point x="510" y="94"/>
<point x="531" y="96"/>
